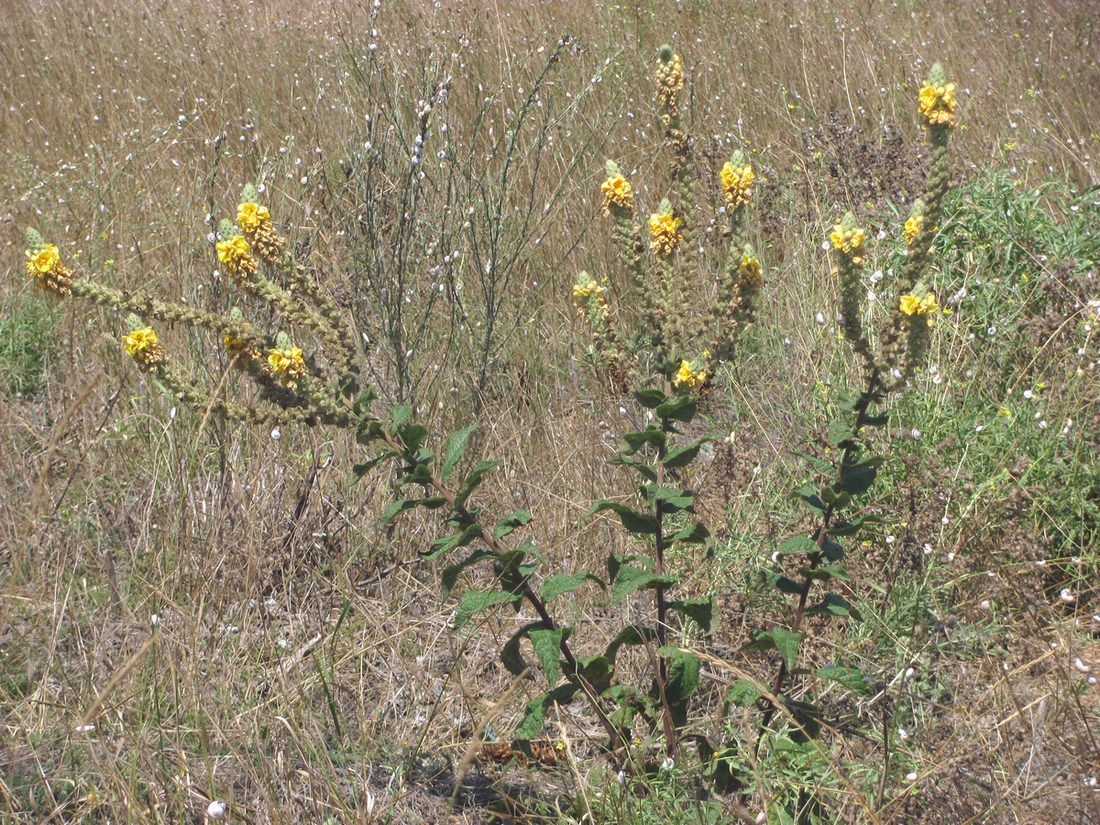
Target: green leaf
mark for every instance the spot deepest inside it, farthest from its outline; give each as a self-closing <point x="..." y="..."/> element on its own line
<point x="450" y="574"/>
<point x="510" y="655"/>
<point x="798" y="545"/>
<point x="679" y="408"/>
<point x="547" y="645"/>
<point x="454" y="450"/>
<point x="781" y="640"/>
<point x="396" y="508"/>
<point x="561" y="583"/>
<point x="832" y="550"/>
<point x="598" y="671"/>
<point x="649" y="436"/>
<point x="400" y="415"/>
<point x="629" y="635"/>
<point x="650" y="398"/>
<point x="433" y="502"/>
<point x="833" y="605"/>
<point x="635" y="522"/>
<point x="647" y="471"/>
<point x="840" y="431"/>
<point x="820" y="465"/>
<point x="859" y="477"/>
<point x="847" y="677"/>
<point x="673" y="500"/>
<point x="509" y="523"/>
<point x="534" y="715"/>
<point x="700" y="611"/>
<point x="694" y="533"/>
<point x="683" y="675"/>
<point x="809" y="497"/>
<point x="445" y="544"/>
<point x="838" y="501"/>
<point x="364" y="467"/>
<point x="785" y="585"/>
<point x="473" y="481"/>
<point x="743" y="694"/>
<point x="477" y="601"/>
<point x="631" y="579"/>
<point x="683" y="456"/>
<point x="826" y="572"/>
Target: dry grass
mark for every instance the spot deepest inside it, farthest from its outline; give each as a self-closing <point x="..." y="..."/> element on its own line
<point x="301" y="660"/>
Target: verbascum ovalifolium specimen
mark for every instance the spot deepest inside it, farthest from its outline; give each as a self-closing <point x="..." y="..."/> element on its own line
<point x="590" y="299"/>
<point x="681" y="299"/>
<point x="692" y="374"/>
<point x="44" y="264"/>
<point x="254" y="221"/>
<point x="235" y="257"/>
<point x="937" y="101"/>
<point x="915" y="222"/>
<point x="285" y="362"/>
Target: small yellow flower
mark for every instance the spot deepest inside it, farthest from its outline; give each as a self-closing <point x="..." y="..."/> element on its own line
<point x="670" y="81"/>
<point x="43" y="261"/>
<point x="912" y="229"/>
<point x="286" y="365"/>
<point x="912" y="305"/>
<point x="618" y="193"/>
<point x="750" y="271"/>
<point x="44" y="264"/>
<point x="937" y="105"/>
<point x="142" y="345"/>
<point x="236" y="257"/>
<point x="737" y="184"/>
<point x="848" y="241"/>
<point x="664" y="233"/>
<point x="251" y="216"/>
<point x="691" y="377"/>
<point x="1004" y="412"/>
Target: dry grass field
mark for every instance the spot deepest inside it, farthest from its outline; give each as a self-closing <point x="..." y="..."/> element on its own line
<point x="195" y="610"/>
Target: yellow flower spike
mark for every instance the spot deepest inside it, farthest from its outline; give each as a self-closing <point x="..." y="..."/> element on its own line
<point x="848" y="241"/>
<point x="737" y="184"/>
<point x="251" y="216"/>
<point x="912" y="229"/>
<point x="617" y="193"/>
<point x="689" y="376"/>
<point x="235" y="256"/>
<point x="286" y="365"/>
<point x="750" y="271"/>
<point x="44" y="264"/>
<point x="142" y="345"/>
<point x="664" y="233"/>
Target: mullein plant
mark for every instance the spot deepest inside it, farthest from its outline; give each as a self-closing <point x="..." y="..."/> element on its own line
<point x="255" y="257"/>
<point x="688" y="321"/>
<point x="813" y="563"/>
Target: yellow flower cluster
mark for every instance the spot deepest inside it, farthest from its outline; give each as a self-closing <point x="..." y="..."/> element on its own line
<point x="848" y="241"/>
<point x="255" y="222"/>
<point x="750" y="271"/>
<point x="45" y="265"/>
<point x="142" y="345"/>
<point x="690" y="377"/>
<point x="912" y="229"/>
<point x="618" y="193"/>
<point x="236" y="258"/>
<point x="286" y="365"/>
<point x="251" y="216"/>
<point x="912" y="305"/>
<point x="737" y="185"/>
<point x="664" y="233"/>
<point x="937" y="105"/>
<point x="670" y="81"/>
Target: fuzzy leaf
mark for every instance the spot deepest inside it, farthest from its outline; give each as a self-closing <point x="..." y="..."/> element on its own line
<point x="509" y="523"/>
<point x="743" y="694"/>
<point x="629" y="635"/>
<point x="396" y="508"/>
<point x="781" y="640"/>
<point x="631" y="579"/>
<point x="445" y="544"/>
<point x="547" y="645"/>
<point x="798" y="545"/>
<point x="649" y="436"/>
<point x="450" y="574"/>
<point x="859" y="477"/>
<point x="683" y="675"/>
<point x="364" y="467"/>
<point x="678" y="408"/>
<point x="833" y="605"/>
<point x="473" y="481"/>
<point x="840" y="432"/>
<point x="561" y="583"/>
<point x="635" y="522"/>
<point x="786" y="585"/>
<point x="700" y="611"/>
<point x="476" y="601"/>
<point x="454" y="450"/>
<point x="650" y="398"/>
<point x="510" y="655"/>
<point x="848" y="677"/>
<point x="683" y="456"/>
<point x="694" y="533"/>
